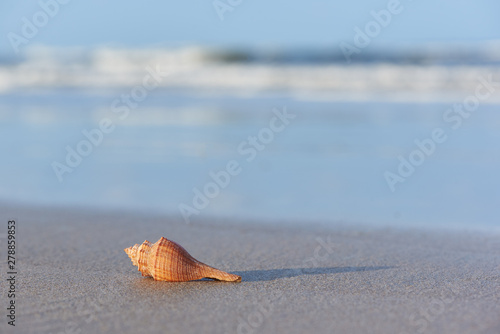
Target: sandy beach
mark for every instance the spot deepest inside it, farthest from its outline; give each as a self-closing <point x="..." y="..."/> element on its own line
<point x="74" y="277"/>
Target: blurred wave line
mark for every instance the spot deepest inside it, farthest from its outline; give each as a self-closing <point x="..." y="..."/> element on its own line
<point x="314" y="74"/>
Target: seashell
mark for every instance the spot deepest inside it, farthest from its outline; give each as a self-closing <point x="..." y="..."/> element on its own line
<point x="166" y="260"/>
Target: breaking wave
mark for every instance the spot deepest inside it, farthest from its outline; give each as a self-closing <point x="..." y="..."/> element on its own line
<point x="428" y="72"/>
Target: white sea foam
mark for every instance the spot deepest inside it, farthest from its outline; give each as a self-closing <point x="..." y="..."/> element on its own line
<point x="204" y="70"/>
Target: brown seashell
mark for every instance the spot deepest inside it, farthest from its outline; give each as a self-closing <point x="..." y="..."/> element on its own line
<point x="166" y="260"/>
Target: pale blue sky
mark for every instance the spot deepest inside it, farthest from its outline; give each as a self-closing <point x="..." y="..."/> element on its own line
<point x="277" y="23"/>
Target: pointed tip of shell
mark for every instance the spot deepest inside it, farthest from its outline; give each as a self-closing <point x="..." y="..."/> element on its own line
<point x="228" y="277"/>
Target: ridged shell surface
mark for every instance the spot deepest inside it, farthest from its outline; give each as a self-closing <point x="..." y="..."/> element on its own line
<point x="166" y="260"/>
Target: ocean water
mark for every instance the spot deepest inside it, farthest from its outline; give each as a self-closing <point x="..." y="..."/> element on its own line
<point x="375" y="144"/>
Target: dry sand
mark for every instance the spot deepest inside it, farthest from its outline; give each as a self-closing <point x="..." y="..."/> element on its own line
<point x="74" y="277"/>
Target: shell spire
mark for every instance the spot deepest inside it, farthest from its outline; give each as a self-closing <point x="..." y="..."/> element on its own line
<point x="166" y="260"/>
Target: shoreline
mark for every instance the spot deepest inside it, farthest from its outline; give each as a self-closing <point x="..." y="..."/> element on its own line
<point x="74" y="276"/>
<point x="261" y="223"/>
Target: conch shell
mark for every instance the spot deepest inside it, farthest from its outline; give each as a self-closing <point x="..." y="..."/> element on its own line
<point x="166" y="260"/>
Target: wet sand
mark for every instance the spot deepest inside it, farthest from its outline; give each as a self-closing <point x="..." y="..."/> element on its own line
<point x="74" y="277"/>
